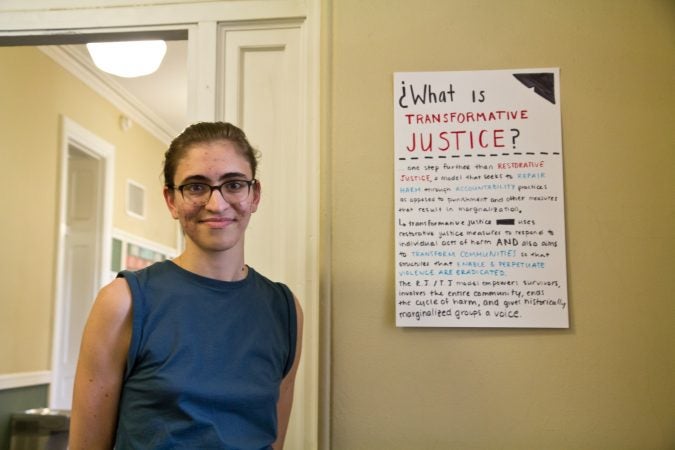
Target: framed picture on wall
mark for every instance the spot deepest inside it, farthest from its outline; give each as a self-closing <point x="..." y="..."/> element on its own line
<point x="130" y="252"/>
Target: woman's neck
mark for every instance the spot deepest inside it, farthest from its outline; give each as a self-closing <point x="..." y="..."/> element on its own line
<point x="223" y="266"/>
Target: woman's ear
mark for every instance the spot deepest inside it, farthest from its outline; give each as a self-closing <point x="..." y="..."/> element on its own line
<point x="256" y="196"/>
<point x="170" y="199"/>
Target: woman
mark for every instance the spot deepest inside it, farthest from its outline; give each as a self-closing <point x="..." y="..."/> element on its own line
<point x="200" y="351"/>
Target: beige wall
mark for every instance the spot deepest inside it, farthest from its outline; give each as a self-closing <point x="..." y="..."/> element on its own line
<point x="608" y="381"/>
<point x="34" y="93"/>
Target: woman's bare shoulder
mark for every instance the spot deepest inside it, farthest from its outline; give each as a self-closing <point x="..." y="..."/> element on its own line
<point x="113" y="300"/>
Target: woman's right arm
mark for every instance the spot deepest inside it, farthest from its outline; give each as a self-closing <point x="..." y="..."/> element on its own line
<point x="100" y="369"/>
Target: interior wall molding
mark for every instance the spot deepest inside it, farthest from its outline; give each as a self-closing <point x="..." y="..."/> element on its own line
<point x="25" y="379"/>
<point x="128" y="104"/>
<point x="40" y="15"/>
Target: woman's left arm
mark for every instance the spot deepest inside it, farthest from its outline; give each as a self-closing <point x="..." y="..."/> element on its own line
<point x="287" y="385"/>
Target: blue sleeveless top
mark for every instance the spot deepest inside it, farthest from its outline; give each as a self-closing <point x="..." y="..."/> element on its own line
<point x="206" y="360"/>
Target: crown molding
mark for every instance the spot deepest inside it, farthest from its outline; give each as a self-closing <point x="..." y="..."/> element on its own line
<point x="46" y="16"/>
<point x="78" y="65"/>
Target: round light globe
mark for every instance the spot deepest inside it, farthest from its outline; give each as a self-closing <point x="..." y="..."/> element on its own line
<point x="127" y="59"/>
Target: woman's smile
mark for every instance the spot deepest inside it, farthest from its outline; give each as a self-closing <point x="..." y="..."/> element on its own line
<point x="218" y="222"/>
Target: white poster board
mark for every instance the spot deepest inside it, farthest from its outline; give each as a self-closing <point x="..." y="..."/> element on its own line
<point x="479" y="217"/>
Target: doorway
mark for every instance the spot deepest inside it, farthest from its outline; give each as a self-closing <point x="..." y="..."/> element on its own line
<point x="83" y="248"/>
<point x="208" y="26"/>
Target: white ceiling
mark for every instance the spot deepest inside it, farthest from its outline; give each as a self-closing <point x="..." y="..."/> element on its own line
<point x="163" y="92"/>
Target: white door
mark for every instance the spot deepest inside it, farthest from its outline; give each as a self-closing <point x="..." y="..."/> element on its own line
<point x="83" y="251"/>
<point x="81" y="264"/>
<point x="262" y="88"/>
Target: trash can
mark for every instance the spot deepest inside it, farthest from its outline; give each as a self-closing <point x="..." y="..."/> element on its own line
<point x="40" y="429"/>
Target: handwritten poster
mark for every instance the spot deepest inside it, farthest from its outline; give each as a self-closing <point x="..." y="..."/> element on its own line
<point x="480" y="227"/>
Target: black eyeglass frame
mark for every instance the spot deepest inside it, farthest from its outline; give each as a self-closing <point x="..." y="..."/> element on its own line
<point x="249" y="183"/>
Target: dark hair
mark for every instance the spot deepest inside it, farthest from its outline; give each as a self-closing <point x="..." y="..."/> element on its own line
<point x="205" y="132"/>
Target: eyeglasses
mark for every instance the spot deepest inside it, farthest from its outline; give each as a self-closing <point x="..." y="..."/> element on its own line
<point x="199" y="194"/>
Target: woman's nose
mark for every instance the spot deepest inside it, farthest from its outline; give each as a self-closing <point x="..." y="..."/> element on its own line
<point x="217" y="201"/>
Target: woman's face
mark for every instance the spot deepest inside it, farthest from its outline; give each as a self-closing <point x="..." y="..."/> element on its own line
<point x="218" y="225"/>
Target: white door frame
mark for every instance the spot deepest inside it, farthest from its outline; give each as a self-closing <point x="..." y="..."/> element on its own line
<point x="34" y="24"/>
<point x="75" y="135"/>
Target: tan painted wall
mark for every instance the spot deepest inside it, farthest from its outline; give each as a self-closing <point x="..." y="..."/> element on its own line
<point x="609" y="381"/>
<point x="34" y="92"/>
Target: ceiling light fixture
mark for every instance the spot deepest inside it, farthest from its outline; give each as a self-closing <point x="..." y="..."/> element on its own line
<point x="127" y="59"/>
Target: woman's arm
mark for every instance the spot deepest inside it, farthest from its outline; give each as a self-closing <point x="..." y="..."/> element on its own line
<point x="100" y="369"/>
<point x="287" y="384"/>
